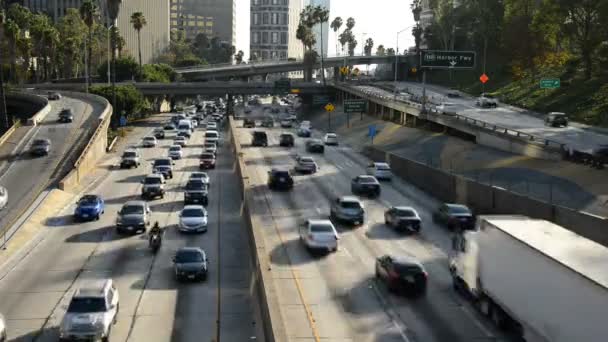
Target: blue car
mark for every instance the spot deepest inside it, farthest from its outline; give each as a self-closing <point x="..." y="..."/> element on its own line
<point x="89" y="207"/>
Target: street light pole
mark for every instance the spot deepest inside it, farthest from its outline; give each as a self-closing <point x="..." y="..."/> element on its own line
<point x="397" y="61"/>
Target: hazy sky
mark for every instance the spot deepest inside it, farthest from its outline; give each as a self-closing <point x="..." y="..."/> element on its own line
<point x="380" y="19"/>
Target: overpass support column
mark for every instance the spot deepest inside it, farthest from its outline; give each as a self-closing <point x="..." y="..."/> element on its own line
<point x="336" y="74"/>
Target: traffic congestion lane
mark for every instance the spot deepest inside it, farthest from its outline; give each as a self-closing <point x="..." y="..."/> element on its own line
<point x="153" y="306"/>
<point x="509" y="117"/>
<point x="26" y="175"/>
<point x="438" y="317"/>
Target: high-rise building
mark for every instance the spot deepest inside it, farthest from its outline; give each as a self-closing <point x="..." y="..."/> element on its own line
<point x="317" y="28"/>
<point x="273" y="29"/>
<point x="54" y="8"/>
<point x="215" y="18"/>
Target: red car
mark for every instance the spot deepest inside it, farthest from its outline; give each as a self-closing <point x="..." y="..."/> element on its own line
<point x="207" y="161"/>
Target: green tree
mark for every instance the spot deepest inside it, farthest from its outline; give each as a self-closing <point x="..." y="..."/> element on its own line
<point x="40" y="23"/>
<point x="380" y="51"/>
<point x="11" y="32"/>
<point x="118" y="40"/>
<point x="72" y="32"/>
<point x="369" y="45"/>
<point x="24" y="45"/>
<point x="335" y="25"/>
<point x="88" y="13"/>
<point x="125" y="69"/>
<point x="350" y="23"/>
<point x="238" y="57"/>
<point x="128" y="99"/>
<point x="50" y="42"/>
<point x="138" y="21"/>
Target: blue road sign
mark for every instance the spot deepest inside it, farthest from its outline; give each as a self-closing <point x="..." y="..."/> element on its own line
<point x="371" y="131"/>
<point x="123" y="121"/>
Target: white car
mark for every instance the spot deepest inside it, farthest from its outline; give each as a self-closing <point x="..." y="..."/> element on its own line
<point x="306" y="124"/>
<point x="486" y="101"/>
<point x="176" y="152"/>
<point x="380" y="171"/>
<point x="3" y="201"/>
<point x="91" y="312"/>
<point x="210" y="147"/>
<point x="212" y="136"/>
<point x="181" y="141"/>
<point x="448" y="108"/>
<point x="149" y="142"/>
<point x="2" y="329"/>
<point x="211" y="126"/>
<point x="193" y="218"/>
<point x="203" y="176"/>
<point x="306" y="165"/>
<point x="319" y="235"/>
<point x="330" y="139"/>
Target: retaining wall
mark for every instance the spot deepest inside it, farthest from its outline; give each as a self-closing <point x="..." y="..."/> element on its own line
<point x="32" y="106"/>
<point x="486" y="199"/>
<point x="272" y="321"/>
<point x="95" y="148"/>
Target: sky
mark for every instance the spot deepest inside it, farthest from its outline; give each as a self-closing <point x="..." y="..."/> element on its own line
<point x="378" y="19"/>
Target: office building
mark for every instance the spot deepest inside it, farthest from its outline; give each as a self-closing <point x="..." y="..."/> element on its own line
<point x="317" y="28"/>
<point x="215" y="18"/>
<point x="273" y="29"/>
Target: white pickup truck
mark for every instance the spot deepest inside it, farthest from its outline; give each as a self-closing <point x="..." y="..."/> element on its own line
<point x="535" y="278"/>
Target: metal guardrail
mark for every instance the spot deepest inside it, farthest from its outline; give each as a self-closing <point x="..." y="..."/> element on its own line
<point x="408" y="100"/>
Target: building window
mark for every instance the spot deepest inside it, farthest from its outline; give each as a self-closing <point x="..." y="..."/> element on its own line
<point x="264" y="37"/>
<point x="256" y="2"/>
<point x="284" y="19"/>
<point x="256" y="19"/>
<point x="275" y="2"/>
<point x="265" y="18"/>
<point x="283" y="55"/>
<point x="274" y="54"/>
<point x="209" y="23"/>
<point x="256" y="37"/>
<point x="264" y="54"/>
<point x="275" y="37"/>
<point x="284" y="38"/>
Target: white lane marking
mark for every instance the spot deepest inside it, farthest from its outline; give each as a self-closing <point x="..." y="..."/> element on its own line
<point x="319" y="211"/>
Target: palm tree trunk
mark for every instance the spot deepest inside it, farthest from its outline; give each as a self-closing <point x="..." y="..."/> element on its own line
<point x="14" y="61"/>
<point x="90" y="52"/>
<point x="139" y="49"/>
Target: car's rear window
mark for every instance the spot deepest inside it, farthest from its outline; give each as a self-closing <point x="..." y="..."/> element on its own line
<point x="188" y="256"/>
<point x="351" y="204"/>
<point x="407" y="269"/>
<point x="405" y="213"/>
<point x="321" y="228"/>
<point x="150" y="138"/>
<point x="383" y="167"/>
<point x="87" y="304"/>
<point x="162" y="162"/>
<point x="174" y="148"/>
<point x="207" y="156"/>
<point x="367" y="180"/>
<point x="153" y="180"/>
<point x="211" y="135"/>
<point x="281" y="173"/>
<point x="132" y="209"/>
<point x="129" y="155"/>
<point x="306" y="160"/>
<point x="459" y="210"/>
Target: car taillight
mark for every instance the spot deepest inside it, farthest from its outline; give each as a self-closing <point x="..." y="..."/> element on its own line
<point x="426" y="275"/>
<point x="311" y="237"/>
<point x="393" y="274"/>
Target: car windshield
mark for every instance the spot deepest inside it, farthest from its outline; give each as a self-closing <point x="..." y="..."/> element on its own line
<point x="321" y="228"/>
<point x="129" y="155"/>
<point x="87" y="304"/>
<point x="210" y="145"/>
<point x="88" y="200"/>
<point x="459" y="210"/>
<point x="149" y="138"/>
<point x="281" y="173"/>
<point x="162" y="162"/>
<point x="384" y="167"/>
<point x="183" y="257"/>
<point x="193" y="212"/>
<point x="332" y="136"/>
<point x="207" y="156"/>
<point x="407" y="268"/>
<point x="211" y="135"/>
<point x="175" y="149"/>
<point x="405" y="213"/>
<point x="180" y="138"/>
<point x="351" y="205"/>
<point x="41" y="142"/>
<point x="306" y="160"/>
<point x="153" y="180"/>
<point x="195" y="184"/>
<point x="199" y="175"/>
<point x="367" y="180"/>
<point x="132" y="209"/>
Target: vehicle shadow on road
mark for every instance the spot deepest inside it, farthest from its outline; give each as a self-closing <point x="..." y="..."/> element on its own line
<point x="106" y="234"/>
<point x="167" y="207"/>
<point x="63" y="220"/>
<point x="45" y="334"/>
<point x="292" y="252"/>
<point x="122" y="199"/>
<point x="380" y="231"/>
<point x="131" y="179"/>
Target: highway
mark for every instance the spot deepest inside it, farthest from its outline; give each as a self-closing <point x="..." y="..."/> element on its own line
<point x="153" y="307"/>
<point x="506" y="116"/>
<point x="25" y="176"/>
<point x="336" y="297"/>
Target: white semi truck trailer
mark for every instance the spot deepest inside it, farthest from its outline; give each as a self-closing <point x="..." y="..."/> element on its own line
<point x="539" y="280"/>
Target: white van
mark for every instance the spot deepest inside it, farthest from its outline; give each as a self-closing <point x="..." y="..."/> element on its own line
<point x="184" y="125"/>
<point x="212" y="137"/>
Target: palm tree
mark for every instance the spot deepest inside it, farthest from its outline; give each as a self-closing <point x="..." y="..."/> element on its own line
<point x="350" y="23"/>
<point x="24" y="44"/>
<point x="321" y="15"/>
<point x="335" y="25"/>
<point x="139" y="21"/>
<point x="3" y="114"/>
<point x="118" y="40"/>
<point x="40" y="23"/>
<point x="369" y="44"/>
<point x="11" y="32"/>
<point x="344" y="38"/>
<point x="88" y="12"/>
<point x="50" y="40"/>
<point x="238" y="57"/>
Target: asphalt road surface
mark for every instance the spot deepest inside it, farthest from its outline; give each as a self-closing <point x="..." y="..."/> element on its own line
<point x="343" y="299"/>
<point x="25" y="176"/>
<point x="153" y="306"/>
<point x="506" y="116"/>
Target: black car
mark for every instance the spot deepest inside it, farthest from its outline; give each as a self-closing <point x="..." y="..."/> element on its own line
<point x="163" y="166"/>
<point x="367" y="185"/>
<point x="454" y="216"/>
<point x="66" y="115"/>
<point x="268" y="122"/>
<point x="190" y="263"/>
<point x="169" y="127"/>
<point x="556" y="119"/>
<point x="287" y="140"/>
<point x="315" y="146"/>
<point x="280" y="179"/>
<point x="402" y="274"/>
<point x="249" y="123"/>
<point x="207" y="161"/>
<point x="259" y="138"/>
<point x="40" y="147"/>
<point x="403" y="219"/>
<point x="196" y="192"/>
<point x="159" y="133"/>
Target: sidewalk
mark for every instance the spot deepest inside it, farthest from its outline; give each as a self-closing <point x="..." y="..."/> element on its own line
<point x="571" y="185"/>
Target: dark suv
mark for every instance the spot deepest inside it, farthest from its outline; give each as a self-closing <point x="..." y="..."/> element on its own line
<point x="66" y="115"/>
<point x="280" y="179"/>
<point x="402" y="274"/>
<point x="196" y="192"/>
<point x="259" y="138"/>
<point x="556" y="119"/>
<point x="286" y="139"/>
<point x="249" y="123"/>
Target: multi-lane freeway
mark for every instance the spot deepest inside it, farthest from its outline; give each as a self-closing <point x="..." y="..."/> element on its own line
<point x="25" y="175"/>
<point x="153" y="305"/>
<point x="336" y="297"/>
<point x="575" y="136"/>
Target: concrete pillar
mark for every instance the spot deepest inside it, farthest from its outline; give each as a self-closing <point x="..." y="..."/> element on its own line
<point x="336" y="74"/>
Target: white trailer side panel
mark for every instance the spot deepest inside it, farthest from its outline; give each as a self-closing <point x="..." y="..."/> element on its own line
<point x="543" y="294"/>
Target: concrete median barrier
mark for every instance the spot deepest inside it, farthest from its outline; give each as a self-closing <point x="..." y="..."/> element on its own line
<point x="487" y="199"/>
<point x="39" y="106"/>
<point x="273" y="327"/>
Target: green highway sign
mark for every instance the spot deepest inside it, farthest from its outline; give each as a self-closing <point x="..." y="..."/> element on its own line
<point x="439" y="59"/>
<point x="550" y="83"/>
<point x="355" y="106"/>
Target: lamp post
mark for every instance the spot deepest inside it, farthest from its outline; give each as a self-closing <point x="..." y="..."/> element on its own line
<point x="397" y="59"/>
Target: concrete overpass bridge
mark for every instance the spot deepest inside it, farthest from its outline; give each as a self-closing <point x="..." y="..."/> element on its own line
<point x="282" y="66"/>
<point x="201" y="88"/>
